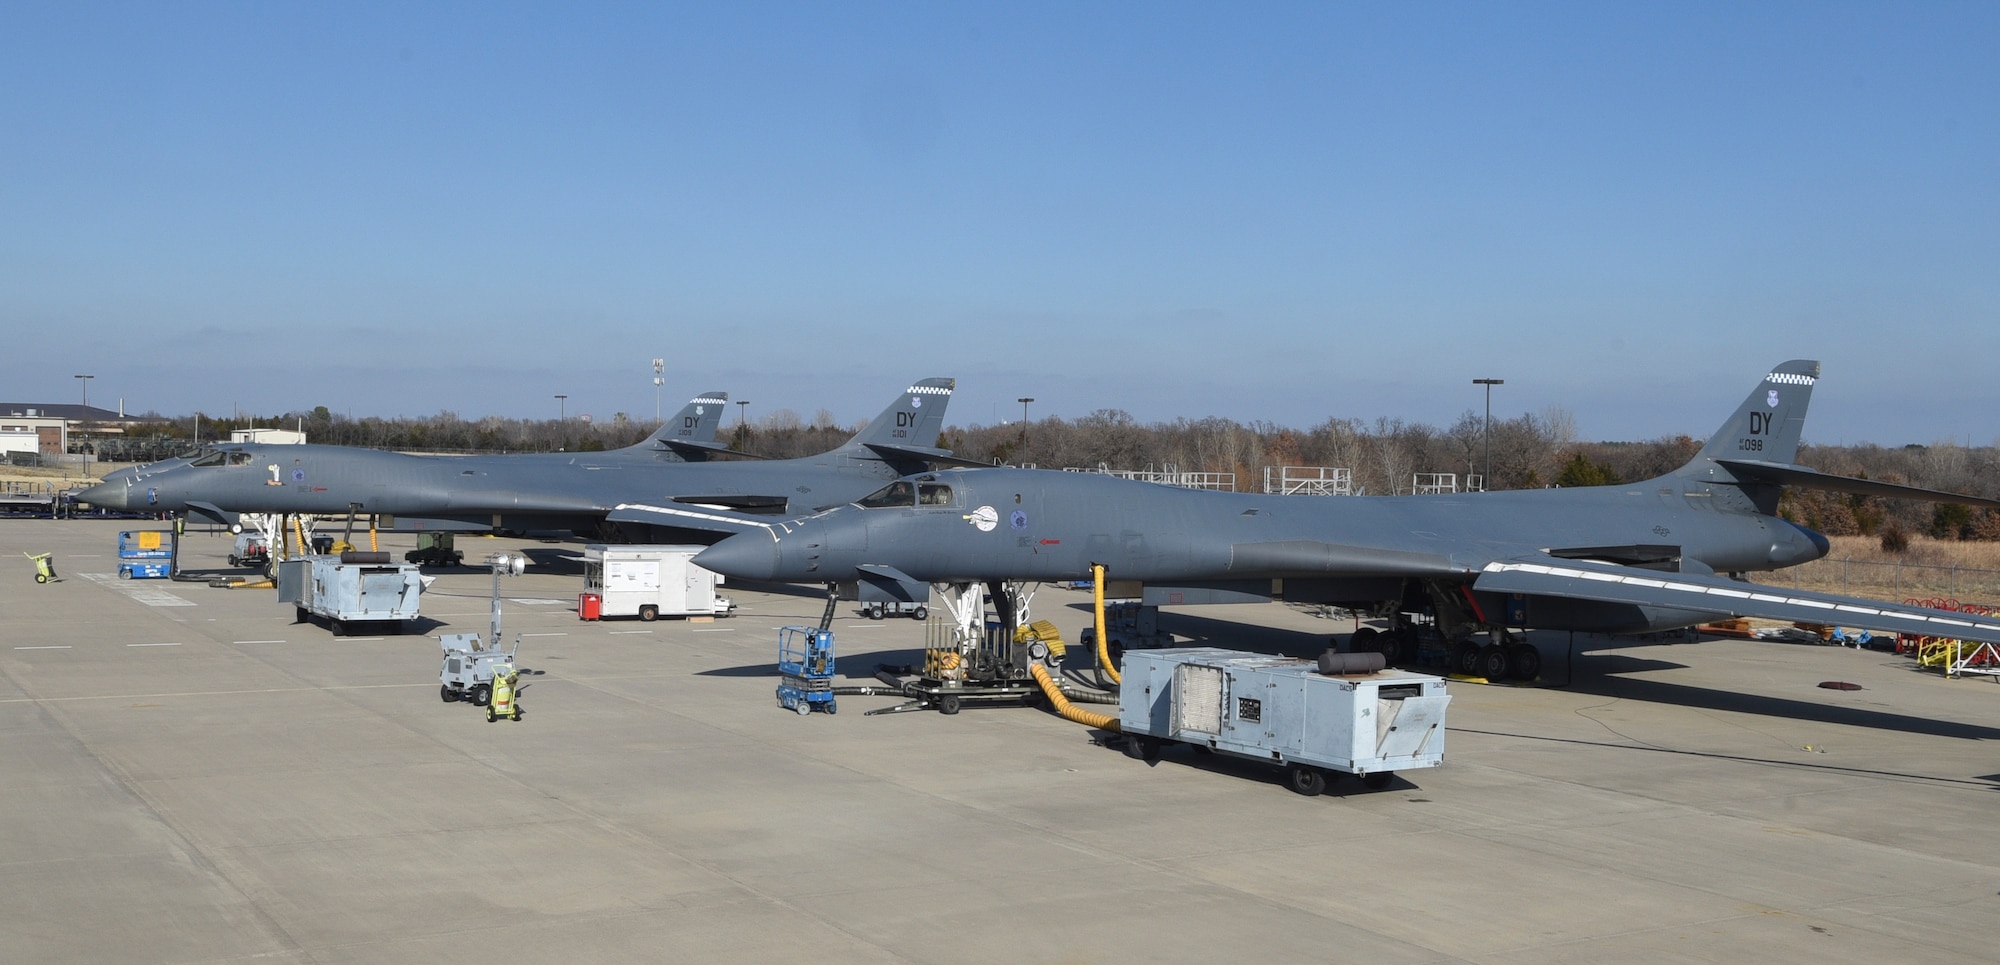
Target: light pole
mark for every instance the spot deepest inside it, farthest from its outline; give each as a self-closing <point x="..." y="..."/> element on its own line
<point x="1024" y="423"/>
<point x="562" y="420"/>
<point x="659" y="369"/>
<point x="84" y="417"/>
<point x="742" y="413"/>
<point x="1487" y="479"/>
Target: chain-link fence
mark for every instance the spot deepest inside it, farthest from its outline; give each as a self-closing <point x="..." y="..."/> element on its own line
<point x="1891" y="580"/>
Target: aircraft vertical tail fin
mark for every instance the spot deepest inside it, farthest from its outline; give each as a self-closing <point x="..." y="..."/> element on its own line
<point x="907" y="430"/>
<point x="691" y="431"/>
<point x="1767" y="425"/>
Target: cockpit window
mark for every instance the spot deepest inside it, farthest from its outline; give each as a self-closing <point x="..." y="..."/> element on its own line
<point x="898" y="493"/>
<point x="933" y="494"/>
<point x="212" y="459"/>
<point x="239" y="458"/>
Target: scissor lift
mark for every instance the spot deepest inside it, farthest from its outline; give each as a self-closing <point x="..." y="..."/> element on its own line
<point x="805" y="666"/>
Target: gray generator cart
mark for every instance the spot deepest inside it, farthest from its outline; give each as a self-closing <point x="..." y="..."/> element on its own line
<point x="467" y="673"/>
<point x="352" y="588"/>
<point x="1285" y="710"/>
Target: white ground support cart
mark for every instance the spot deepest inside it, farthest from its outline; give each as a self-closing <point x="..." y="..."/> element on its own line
<point x="467" y="673"/>
<point x="1285" y="710"/>
<point x="652" y="581"/>
<point x="352" y="588"/>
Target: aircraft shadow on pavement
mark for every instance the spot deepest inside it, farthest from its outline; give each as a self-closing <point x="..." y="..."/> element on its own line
<point x="1590" y="678"/>
<point x="549" y="561"/>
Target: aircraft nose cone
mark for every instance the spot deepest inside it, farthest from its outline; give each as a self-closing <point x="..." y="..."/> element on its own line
<point x="109" y="494"/>
<point x="747" y="556"/>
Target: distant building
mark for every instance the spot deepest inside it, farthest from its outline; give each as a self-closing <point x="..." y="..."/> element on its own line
<point x="276" y="437"/>
<point x="47" y="429"/>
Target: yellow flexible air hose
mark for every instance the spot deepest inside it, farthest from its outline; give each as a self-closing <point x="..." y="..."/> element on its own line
<point x="1064" y="707"/>
<point x="1097" y="610"/>
<point x="371" y="534"/>
<point x="299" y="527"/>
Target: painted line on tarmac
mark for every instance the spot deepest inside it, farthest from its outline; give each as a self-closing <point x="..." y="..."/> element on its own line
<point x="616" y="632"/>
<point x="62" y="647"/>
<point x="258" y="641"/>
<point x="208" y="693"/>
<point x="717" y="630"/>
<point x="545" y="634"/>
<point x="152" y="644"/>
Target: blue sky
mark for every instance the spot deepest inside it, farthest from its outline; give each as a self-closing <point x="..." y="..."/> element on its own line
<point x="1270" y="212"/>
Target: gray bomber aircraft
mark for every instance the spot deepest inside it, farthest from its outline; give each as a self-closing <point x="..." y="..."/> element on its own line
<point x="1664" y="553"/>
<point x="578" y="491"/>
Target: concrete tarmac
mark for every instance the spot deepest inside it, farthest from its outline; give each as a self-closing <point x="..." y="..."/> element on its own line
<point x="186" y="775"/>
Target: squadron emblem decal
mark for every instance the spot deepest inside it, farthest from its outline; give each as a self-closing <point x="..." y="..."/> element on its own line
<point x="1772" y="399"/>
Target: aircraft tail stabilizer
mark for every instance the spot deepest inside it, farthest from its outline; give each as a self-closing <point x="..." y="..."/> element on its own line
<point x="691" y="431"/>
<point x="905" y="431"/>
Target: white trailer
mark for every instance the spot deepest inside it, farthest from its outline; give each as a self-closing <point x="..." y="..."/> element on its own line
<point x="651" y="581"/>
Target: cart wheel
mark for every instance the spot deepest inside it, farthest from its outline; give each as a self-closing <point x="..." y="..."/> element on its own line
<point x="490" y="716"/>
<point x="1141" y="747"/>
<point x="875" y="612"/>
<point x="649" y="613"/>
<point x="124" y="573"/>
<point x="920" y="613"/>
<point x="446" y="694"/>
<point x="1378" y="780"/>
<point x="39" y="578"/>
<point x="948" y="704"/>
<point x="804" y="707"/>
<point x="1308" y="780"/>
<point x="482" y="695"/>
<point x="832" y="707"/>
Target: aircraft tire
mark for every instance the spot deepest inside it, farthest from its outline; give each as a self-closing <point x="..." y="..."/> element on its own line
<point x="1364" y="641"/>
<point x="1527" y="661"/>
<point x="1307" y="780"/>
<point x="1465" y="659"/>
<point x="1494" y="662"/>
<point x="1402" y="648"/>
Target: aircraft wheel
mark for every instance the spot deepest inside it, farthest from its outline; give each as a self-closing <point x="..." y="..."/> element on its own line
<point x="1493" y="663"/>
<point x="948" y="704"/>
<point x="649" y="613"/>
<point x="1403" y="646"/>
<point x="1527" y="661"/>
<point x="446" y="694"/>
<point x="920" y="613"/>
<point x="1465" y="659"/>
<point x="1365" y="640"/>
<point x="482" y="695"/>
<point x="1307" y="780"/>
<point x="1378" y="780"/>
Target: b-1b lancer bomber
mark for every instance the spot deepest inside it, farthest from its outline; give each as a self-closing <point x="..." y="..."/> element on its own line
<point x="577" y="491"/>
<point x="1664" y="553"/>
